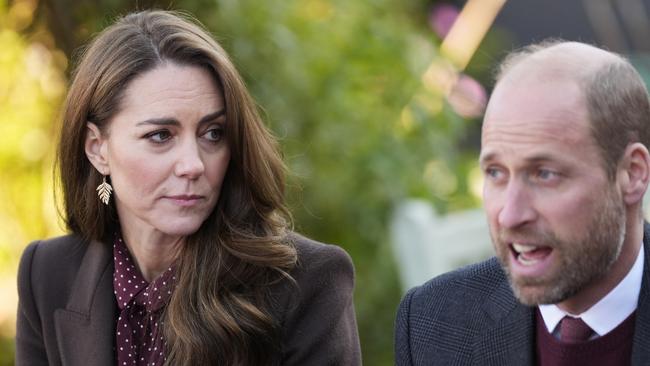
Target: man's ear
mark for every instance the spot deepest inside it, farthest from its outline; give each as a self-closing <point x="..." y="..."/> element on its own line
<point x="634" y="173"/>
<point x="96" y="148"/>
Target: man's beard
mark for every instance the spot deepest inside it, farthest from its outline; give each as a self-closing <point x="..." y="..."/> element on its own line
<point x="581" y="261"/>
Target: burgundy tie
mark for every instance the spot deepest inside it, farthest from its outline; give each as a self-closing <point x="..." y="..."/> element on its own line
<point x="573" y="330"/>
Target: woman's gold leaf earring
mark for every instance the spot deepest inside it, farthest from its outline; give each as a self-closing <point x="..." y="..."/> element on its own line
<point x="104" y="191"/>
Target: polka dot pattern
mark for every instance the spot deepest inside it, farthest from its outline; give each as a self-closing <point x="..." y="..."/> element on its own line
<point x="139" y="335"/>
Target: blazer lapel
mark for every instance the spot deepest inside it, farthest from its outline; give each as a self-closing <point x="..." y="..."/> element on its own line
<point x="641" y="347"/>
<point x="511" y="338"/>
<point x="86" y="328"/>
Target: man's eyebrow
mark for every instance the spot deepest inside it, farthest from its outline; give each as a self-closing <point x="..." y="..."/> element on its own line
<point x="167" y="121"/>
<point x="537" y="158"/>
<point x="483" y="158"/>
<point x="540" y="158"/>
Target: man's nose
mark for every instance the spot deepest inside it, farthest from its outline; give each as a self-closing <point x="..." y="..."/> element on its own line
<point x="518" y="208"/>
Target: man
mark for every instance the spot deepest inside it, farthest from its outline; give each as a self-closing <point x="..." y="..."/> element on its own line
<point x="566" y="167"/>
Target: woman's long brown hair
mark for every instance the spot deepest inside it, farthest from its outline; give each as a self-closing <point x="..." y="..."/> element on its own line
<point x="218" y="313"/>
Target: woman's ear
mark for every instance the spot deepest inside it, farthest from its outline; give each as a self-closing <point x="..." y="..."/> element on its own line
<point x="96" y="148"/>
<point x="634" y="173"/>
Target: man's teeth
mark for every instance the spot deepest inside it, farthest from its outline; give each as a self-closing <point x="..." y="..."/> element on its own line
<point x="521" y="248"/>
<point x="525" y="261"/>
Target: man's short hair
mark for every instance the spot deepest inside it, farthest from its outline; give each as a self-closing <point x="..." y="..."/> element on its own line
<point x="616" y="98"/>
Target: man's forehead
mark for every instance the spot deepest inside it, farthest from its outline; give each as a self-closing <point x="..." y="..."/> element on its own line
<point x="546" y="135"/>
<point x="551" y="106"/>
<point x="561" y="127"/>
<point x="542" y="116"/>
<point x="541" y="101"/>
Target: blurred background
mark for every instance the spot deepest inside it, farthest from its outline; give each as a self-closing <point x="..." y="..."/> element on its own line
<point x="377" y="105"/>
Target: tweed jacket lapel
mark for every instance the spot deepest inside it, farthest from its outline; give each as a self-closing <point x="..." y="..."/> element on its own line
<point x="641" y="347"/>
<point x="86" y="327"/>
<point x="510" y="339"/>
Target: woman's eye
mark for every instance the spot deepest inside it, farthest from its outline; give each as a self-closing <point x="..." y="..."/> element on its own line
<point x="214" y="134"/>
<point x="159" y="137"/>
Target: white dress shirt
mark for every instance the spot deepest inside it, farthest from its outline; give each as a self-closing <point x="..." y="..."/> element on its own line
<point x="607" y="313"/>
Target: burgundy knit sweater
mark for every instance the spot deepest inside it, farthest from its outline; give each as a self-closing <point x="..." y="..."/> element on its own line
<point x="612" y="349"/>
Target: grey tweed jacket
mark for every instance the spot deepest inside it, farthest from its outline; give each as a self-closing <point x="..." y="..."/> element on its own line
<point x="471" y="317"/>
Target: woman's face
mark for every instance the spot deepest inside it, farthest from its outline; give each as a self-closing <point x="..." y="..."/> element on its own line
<point x="165" y="150"/>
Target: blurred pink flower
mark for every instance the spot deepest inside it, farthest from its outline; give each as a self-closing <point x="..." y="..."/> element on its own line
<point x="468" y="97"/>
<point x="442" y="17"/>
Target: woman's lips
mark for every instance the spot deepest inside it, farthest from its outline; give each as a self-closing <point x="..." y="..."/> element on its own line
<point x="185" y="200"/>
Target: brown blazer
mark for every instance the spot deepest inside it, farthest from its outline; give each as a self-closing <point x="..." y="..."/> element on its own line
<point x="67" y="310"/>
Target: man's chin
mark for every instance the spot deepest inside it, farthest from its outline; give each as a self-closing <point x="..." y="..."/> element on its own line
<point x="538" y="294"/>
<point x="527" y="296"/>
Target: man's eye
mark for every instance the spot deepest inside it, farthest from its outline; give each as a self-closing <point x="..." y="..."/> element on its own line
<point x="546" y="174"/>
<point x="492" y="173"/>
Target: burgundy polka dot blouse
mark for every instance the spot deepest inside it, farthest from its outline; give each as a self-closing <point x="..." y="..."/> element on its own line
<point x="139" y="335"/>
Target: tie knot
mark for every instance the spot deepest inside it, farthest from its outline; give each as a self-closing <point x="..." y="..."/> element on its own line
<point x="573" y="330"/>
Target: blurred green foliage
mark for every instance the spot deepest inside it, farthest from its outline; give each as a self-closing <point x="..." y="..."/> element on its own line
<point x="339" y="83"/>
<point x="31" y="87"/>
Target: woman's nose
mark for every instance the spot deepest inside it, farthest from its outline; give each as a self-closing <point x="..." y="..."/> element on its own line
<point x="189" y="163"/>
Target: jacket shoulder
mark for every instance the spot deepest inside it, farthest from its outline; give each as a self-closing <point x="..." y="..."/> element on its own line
<point x="53" y="260"/>
<point x="473" y="282"/>
<point x="441" y="317"/>
<point x="455" y="300"/>
<point x="47" y="271"/>
<point x="45" y="279"/>
<point x="314" y="257"/>
<point x="315" y="309"/>
<point x="322" y="270"/>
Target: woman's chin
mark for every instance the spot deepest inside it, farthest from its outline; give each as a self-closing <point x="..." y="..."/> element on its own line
<point x="181" y="227"/>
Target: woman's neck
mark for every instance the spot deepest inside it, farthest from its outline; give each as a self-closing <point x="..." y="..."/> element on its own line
<point x="153" y="251"/>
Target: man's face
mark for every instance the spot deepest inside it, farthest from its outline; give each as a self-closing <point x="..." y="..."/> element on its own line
<point x="557" y="223"/>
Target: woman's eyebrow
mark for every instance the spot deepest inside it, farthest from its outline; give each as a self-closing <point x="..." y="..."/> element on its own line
<point x="168" y="121"/>
<point x="212" y="116"/>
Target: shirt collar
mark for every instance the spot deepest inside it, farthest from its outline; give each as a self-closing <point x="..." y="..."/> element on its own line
<point x="611" y="310"/>
<point x="130" y="287"/>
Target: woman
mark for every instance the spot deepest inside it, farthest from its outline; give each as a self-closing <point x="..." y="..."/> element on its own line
<point x="179" y="252"/>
